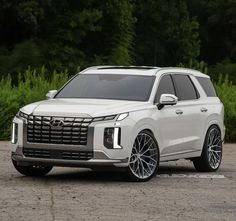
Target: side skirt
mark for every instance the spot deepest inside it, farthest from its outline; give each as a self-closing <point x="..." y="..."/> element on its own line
<point x="180" y="155"/>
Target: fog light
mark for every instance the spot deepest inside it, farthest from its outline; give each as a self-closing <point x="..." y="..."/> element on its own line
<point x="112" y="138"/>
<point x="14" y="133"/>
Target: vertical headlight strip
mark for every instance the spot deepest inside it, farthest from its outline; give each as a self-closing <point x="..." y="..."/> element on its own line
<point x="14" y="133"/>
<point x="112" y="138"/>
<point x="116" y="140"/>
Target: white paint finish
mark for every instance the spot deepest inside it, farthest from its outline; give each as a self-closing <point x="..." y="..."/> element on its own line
<point x="83" y="107"/>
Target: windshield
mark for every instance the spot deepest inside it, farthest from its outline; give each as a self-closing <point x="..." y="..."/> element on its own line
<point x="109" y="86"/>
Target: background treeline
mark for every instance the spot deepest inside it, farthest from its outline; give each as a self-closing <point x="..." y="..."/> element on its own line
<point x="64" y="36"/>
<point x="71" y="34"/>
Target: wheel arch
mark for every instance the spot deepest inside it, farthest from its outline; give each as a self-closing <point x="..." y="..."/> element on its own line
<point x="217" y="124"/>
<point x="147" y="127"/>
<point x="144" y="126"/>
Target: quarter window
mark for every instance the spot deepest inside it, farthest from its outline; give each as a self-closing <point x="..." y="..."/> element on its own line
<point x="207" y="86"/>
<point x="185" y="87"/>
<point x="165" y="87"/>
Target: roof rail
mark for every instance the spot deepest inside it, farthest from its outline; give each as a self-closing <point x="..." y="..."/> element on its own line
<point x="128" y="67"/>
<point x="95" y="68"/>
<point x="117" y="67"/>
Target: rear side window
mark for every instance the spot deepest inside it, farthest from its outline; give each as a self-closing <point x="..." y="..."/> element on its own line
<point x="207" y="86"/>
<point x="165" y="87"/>
<point x="185" y="87"/>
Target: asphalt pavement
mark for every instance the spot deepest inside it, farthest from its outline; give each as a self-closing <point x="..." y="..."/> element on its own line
<point x="178" y="192"/>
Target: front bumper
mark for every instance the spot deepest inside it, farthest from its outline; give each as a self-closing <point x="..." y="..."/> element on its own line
<point x="101" y="155"/>
<point x="99" y="160"/>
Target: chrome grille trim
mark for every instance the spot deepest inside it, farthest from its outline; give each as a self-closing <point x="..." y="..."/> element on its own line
<point x="73" y="132"/>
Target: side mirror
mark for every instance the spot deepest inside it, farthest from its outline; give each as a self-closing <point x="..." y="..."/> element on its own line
<point x="167" y="99"/>
<point x="51" y="94"/>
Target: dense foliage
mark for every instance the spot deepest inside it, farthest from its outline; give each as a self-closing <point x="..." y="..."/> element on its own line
<point x="227" y="93"/>
<point x="70" y="34"/>
<point x="31" y="86"/>
<point x="73" y="34"/>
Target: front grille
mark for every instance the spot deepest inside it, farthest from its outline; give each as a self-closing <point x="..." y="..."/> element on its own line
<point x="57" y="130"/>
<point x="57" y="154"/>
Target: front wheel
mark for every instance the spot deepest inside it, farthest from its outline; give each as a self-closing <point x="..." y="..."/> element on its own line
<point x="211" y="156"/>
<point x="33" y="170"/>
<point x="144" y="159"/>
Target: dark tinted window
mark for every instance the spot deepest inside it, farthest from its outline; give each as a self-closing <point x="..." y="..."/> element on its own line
<point x="165" y="87"/>
<point x="207" y="86"/>
<point x="109" y="86"/>
<point x="185" y="88"/>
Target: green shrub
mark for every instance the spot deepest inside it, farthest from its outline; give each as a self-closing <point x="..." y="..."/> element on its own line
<point x="227" y="93"/>
<point x="31" y="86"/>
<point x="223" y="67"/>
<point x="193" y="64"/>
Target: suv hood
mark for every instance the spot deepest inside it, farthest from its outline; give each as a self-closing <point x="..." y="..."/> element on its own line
<point x="82" y="107"/>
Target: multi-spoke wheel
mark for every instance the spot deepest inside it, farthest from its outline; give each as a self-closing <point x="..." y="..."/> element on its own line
<point x="32" y="170"/>
<point x="210" y="159"/>
<point x="144" y="159"/>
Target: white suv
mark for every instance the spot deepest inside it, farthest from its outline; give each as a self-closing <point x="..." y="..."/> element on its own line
<point x="126" y="117"/>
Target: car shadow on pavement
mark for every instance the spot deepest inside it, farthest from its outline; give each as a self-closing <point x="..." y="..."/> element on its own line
<point x="87" y="175"/>
<point x="170" y="169"/>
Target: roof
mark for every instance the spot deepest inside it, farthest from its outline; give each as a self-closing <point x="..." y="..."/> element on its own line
<point x="140" y="70"/>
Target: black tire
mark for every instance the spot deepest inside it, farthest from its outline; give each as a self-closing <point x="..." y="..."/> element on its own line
<point x="146" y="163"/>
<point x="34" y="171"/>
<point x="205" y="162"/>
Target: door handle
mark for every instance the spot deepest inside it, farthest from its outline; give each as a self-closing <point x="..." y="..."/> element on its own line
<point x="179" y="112"/>
<point x="203" y="109"/>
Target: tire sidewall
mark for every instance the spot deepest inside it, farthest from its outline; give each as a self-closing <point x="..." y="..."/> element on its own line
<point x="205" y="150"/>
<point x="131" y="175"/>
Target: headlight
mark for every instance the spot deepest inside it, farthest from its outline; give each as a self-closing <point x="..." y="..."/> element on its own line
<point x="122" y="116"/>
<point x="111" y="117"/>
<point x="22" y="115"/>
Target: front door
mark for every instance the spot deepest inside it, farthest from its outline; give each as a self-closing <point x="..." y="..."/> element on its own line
<point x="178" y="125"/>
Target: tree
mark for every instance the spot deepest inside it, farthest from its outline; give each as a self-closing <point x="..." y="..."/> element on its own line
<point x="217" y="21"/>
<point x="66" y="34"/>
<point x="165" y="33"/>
<point x="121" y="22"/>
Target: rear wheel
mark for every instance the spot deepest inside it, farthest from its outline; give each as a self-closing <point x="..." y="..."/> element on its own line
<point x="211" y="156"/>
<point x="144" y="159"/>
<point x="32" y="170"/>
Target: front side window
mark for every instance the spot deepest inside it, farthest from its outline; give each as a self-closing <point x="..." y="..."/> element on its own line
<point x="165" y="87"/>
<point x="185" y="87"/>
<point x="109" y="86"/>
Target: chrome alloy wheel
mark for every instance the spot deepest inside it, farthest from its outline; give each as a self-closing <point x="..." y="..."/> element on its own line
<point x="144" y="157"/>
<point x="214" y="148"/>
